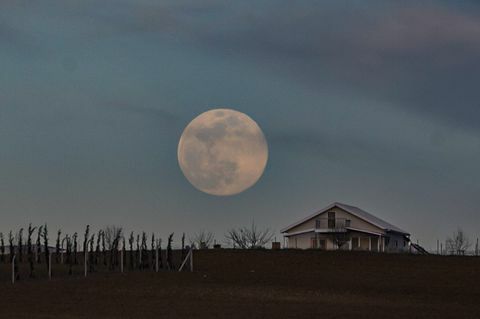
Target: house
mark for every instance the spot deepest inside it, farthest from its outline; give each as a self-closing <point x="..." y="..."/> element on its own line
<point x="345" y="227"/>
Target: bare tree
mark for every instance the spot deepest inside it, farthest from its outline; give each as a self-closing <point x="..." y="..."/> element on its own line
<point x="202" y="240"/>
<point x="2" y="248"/>
<point x="11" y="246"/>
<point x="111" y="234"/>
<point x="131" y="240"/>
<point x="104" y="251"/>
<point x="86" y="238"/>
<point x="74" y="250"/>
<point x="124" y="252"/>
<point x="45" y="245"/>
<point x="91" y="255"/>
<point x="249" y="237"/>
<point x="39" y="244"/>
<point x="111" y="237"/>
<point x="13" y="254"/>
<point x="20" y="245"/>
<point x="152" y="252"/>
<point x="137" y="253"/>
<point x="458" y="243"/>
<point x="97" y="248"/>
<point x="183" y="247"/>
<point x="31" y="260"/>
<point x="143" y="252"/>
<point x="68" y="240"/>
<point x="57" y="246"/>
<point x="159" y="247"/>
<point x="340" y="237"/>
<point x="62" y="249"/>
<point x="169" y="252"/>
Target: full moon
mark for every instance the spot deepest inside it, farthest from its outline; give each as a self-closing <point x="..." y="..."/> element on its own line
<point x="222" y="152"/>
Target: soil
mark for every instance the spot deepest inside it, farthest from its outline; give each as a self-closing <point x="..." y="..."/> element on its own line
<point x="258" y="284"/>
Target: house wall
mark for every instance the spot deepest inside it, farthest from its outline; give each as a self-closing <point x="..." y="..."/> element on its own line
<point x="363" y="242"/>
<point x="301" y="241"/>
<point x="308" y="224"/>
<point x="355" y="222"/>
<point x="396" y="243"/>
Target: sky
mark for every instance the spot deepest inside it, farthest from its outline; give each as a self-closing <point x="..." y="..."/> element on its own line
<point x="371" y="103"/>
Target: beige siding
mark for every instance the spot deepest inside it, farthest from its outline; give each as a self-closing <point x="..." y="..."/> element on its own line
<point x="355" y="222"/>
<point x="302" y="241"/>
<point x="309" y="224"/>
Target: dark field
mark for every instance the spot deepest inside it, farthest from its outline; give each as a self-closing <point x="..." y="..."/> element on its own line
<point x="261" y="284"/>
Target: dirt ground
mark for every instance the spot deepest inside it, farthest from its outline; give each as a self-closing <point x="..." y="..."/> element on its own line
<point x="261" y="284"/>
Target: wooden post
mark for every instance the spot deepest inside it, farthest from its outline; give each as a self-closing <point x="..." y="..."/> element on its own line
<point x="191" y="259"/>
<point x="121" y="260"/>
<point x="85" y="261"/>
<point x="50" y="265"/>
<point x="437" y="247"/>
<point x="156" y="259"/>
<point x="13" y="269"/>
<point x="188" y="257"/>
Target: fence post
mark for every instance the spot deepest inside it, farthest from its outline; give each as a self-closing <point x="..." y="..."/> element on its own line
<point x="50" y="265"/>
<point x="85" y="261"/>
<point x="191" y="259"/>
<point x="156" y="259"/>
<point x="121" y="260"/>
<point x="13" y="269"/>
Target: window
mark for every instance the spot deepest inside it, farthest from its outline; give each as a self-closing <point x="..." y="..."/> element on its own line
<point x="313" y="242"/>
<point x="396" y="243"/>
<point x="347" y="223"/>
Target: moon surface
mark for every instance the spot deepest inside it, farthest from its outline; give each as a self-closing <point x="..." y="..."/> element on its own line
<point x="222" y="152"/>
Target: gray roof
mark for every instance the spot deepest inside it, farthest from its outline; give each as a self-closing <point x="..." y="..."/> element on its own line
<point x="360" y="213"/>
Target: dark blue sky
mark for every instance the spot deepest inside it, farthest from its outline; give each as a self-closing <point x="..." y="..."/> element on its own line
<point x="376" y="104"/>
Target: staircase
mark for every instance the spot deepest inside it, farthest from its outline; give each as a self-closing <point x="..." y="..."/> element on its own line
<point x="419" y="249"/>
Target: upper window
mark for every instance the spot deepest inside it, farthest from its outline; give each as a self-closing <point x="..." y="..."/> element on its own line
<point x="331" y="219"/>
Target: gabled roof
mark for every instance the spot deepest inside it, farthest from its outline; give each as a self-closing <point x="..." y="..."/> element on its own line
<point x="380" y="223"/>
